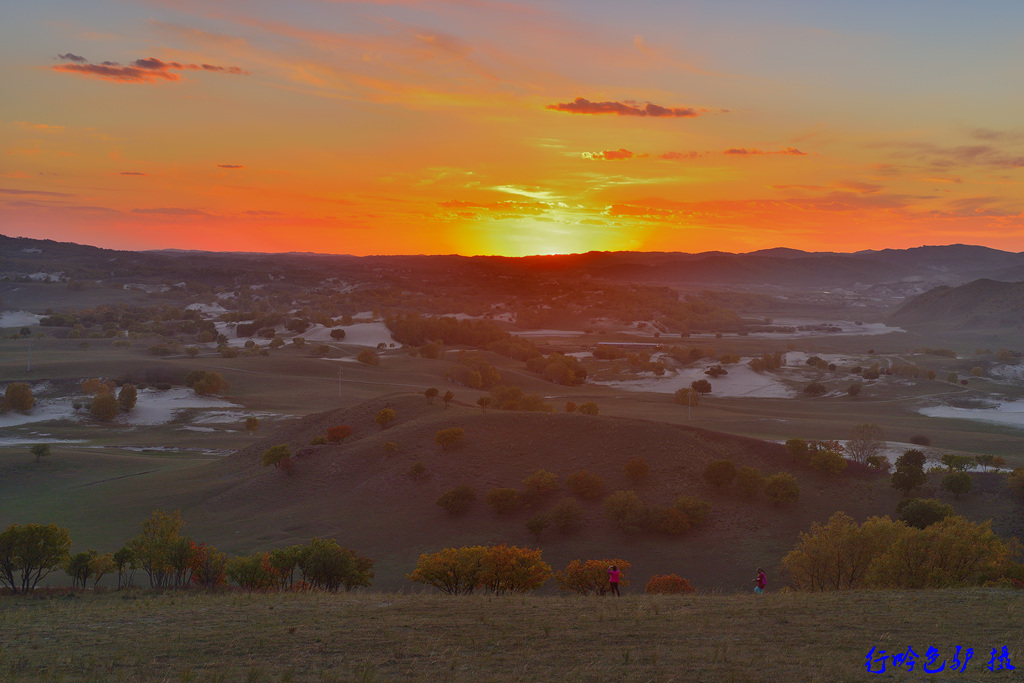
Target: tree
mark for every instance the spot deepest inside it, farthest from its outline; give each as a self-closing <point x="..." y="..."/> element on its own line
<point x="815" y="389"/>
<point x="456" y="571"/>
<point x="338" y="334"/>
<point x="701" y="386"/>
<point x="958" y="463"/>
<point x="368" y="357"/>
<point x="909" y="472"/>
<point x="384" y="417"/>
<point x="276" y="455"/>
<point x="1015" y="481"/>
<point x="541" y="482"/>
<point x="570" y="406"/>
<point x="720" y="473"/>
<point x="40" y="451"/>
<point x="669" y="584"/>
<point x="126" y="398"/>
<point x="716" y="371"/>
<point x="77" y="567"/>
<point x="566" y="516"/>
<point x="687" y="397"/>
<point x="209" y="566"/>
<point x="695" y="509"/>
<point x="922" y="512"/>
<point x="126" y="562"/>
<point x="159" y="546"/>
<point x="328" y="566"/>
<point x="251" y="425"/>
<point x="339" y="433"/>
<point x="431" y="394"/>
<point x="826" y="456"/>
<point x="206" y="383"/>
<point x="503" y="500"/>
<point x="30" y="552"/>
<point x="18" y="396"/>
<point x="957" y="483"/>
<point x="625" y="510"/>
<point x="103" y="407"/>
<point x="588" y="408"/>
<point x="537" y="524"/>
<point x="449" y="437"/>
<point x="585" y="484"/>
<point x="509" y="569"/>
<point x="749" y="481"/>
<point x="447" y="398"/>
<point x="855" y="389"/>
<point x="637" y="470"/>
<point x="484" y="402"/>
<point x="250" y="572"/>
<point x="782" y="488"/>
<point x="865" y="440"/>
<point x="456" y="501"/>
<point x="101" y="564"/>
<point x="590" y="576"/>
<point x="799" y="450"/>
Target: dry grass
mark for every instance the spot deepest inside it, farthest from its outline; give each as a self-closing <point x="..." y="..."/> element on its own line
<point x="142" y="636"/>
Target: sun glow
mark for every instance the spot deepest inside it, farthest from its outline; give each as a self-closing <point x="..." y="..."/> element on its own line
<point x="546" y="236"/>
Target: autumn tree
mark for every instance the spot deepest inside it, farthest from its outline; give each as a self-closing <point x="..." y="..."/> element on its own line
<point x="209" y="566"/>
<point x="126" y="562"/>
<point x="276" y="456"/>
<point x="687" y="397"/>
<point x="456" y="501"/>
<point x="250" y="572"/>
<point x="484" y="402"/>
<point x="503" y="500"/>
<point x="782" y="488"/>
<point x="590" y="576"/>
<point x="77" y="567"/>
<point x="384" y="417"/>
<point x="541" y="482"/>
<point x="720" y="473"/>
<point x="588" y="408"/>
<point x="958" y="483"/>
<point x="447" y="398"/>
<point x="328" y="566"/>
<point x="339" y="433"/>
<point x="509" y="569"/>
<point x="637" y="470"/>
<point x="368" y="357"/>
<point x="18" y="396"/>
<point x="585" y="484"/>
<point x="749" y="481"/>
<point x="958" y="463"/>
<point x="40" y="451"/>
<point x="909" y="472"/>
<point x="127" y="397"/>
<point x="456" y="571"/>
<point x="101" y="564"/>
<point x="826" y="456"/>
<point x="206" y="383"/>
<point x="865" y="441"/>
<point x="30" y="552"/>
<point x="251" y="425"/>
<point x="669" y="584"/>
<point x="450" y="437"/>
<point x="625" y="511"/>
<point x="798" y="450"/>
<point x="922" y="512"/>
<point x="566" y="516"/>
<point x="103" y="407"/>
<point x="160" y="548"/>
<point x="695" y="509"/>
<point x="431" y="394"/>
<point x="701" y="386"/>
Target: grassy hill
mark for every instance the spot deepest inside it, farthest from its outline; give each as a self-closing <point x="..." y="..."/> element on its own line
<point x="981" y="304"/>
<point x="360" y="494"/>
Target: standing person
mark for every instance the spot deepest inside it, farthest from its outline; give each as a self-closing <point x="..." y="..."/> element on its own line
<point x="613" y="579"/>
<point x="760" y="582"/>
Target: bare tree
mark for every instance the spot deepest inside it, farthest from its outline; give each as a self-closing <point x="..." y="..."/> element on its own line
<point x="866" y="440"/>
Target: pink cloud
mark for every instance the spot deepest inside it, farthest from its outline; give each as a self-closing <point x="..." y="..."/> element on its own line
<point x="147" y="70"/>
<point x="584" y="106"/>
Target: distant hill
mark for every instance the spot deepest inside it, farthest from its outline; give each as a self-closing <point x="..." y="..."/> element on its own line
<point x="784" y="267"/>
<point x="979" y="304"/>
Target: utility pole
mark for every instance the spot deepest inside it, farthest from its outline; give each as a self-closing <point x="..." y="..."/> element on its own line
<point x="30" y="354"/>
<point x="339" y="382"/>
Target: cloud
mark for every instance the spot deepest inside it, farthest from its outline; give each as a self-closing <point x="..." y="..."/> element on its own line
<point x="742" y="151"/>
<point x="132" y="173"/>
<point x="71" y="57"/>
<point x="612" y="155"/>
<point x="35" y="193"/>
<point x="147" y="70"/>
<point x="171" y="212"/>
<point x="679" y="156"/>
<point x="230" y="166"/>
<point x="584" y="106"/>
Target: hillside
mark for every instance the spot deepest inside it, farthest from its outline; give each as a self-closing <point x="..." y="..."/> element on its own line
<point x="976" y="305"/>
<point x="361" y="495"/>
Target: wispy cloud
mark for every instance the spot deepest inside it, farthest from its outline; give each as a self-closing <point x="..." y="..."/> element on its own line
<point x="72" y="57"/>
<point x="132" y="173"/>
<point x="742" y="151"/>
<point x="230" y="166"/>
<point x="171" y="211"/>
<point x="35" y="193"/>
<point x="147" y="70"/>
<point x="584" y="106"/>
<point x="612" y="155"/>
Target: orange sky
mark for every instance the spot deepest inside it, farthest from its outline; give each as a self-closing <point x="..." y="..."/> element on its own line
<point x="480" y="127"/>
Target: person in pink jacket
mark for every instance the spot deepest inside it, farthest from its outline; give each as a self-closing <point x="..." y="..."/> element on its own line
<point x="613" y="579"/>
<point x="760" y="582"/>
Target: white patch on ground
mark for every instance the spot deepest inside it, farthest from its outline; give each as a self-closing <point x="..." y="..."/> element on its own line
<point x="366" y="334"/>
<point x="46" y="277"/>
<point x="28" y="440"/>
<point x="18" y="319"/>
<point x="160" y="407"/>
<point x="798" y="359"/>
<point x="42" y="411"/>
<point x="1007" y="413"/>
<point x="1009" y="373"/>
<point x="232" y="417"/>
<point x="207" y="309"/>
<point x="550" y="333"/>
<point x="741" y="382"/>
<point x="198" y="429"/>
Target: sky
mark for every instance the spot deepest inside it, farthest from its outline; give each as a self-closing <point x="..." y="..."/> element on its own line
<point x="513" y="128"/>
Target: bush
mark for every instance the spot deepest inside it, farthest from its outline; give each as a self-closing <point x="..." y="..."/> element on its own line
<point x="127" y="397"/>
<point x="339" y="433"/>
<point x="327" y="566"/>
<point x="695" y="509"/>
<point x="749" y="481"/>
<point x="815" y="389"/>
<point x="508" y="569"/>
<point x="541" y="482"/>
<point x="18" y="396"/>
<point x="319" y="440"/>
<point x="450" y="437"/>
<point x="720" y="473"/>
<point x="457" y="500"/>
<point x="584" y="484"/>
<point x="103" y="407"/>
<point x="637" y="470"/>
<point x="625" y="510"/>
<point x="276" y="456"/>
<point x="920" y="440"/>
<point x="537" y="524"/>
<point x="456" y="571"/>
<point x="390" y="447"/>
<point x="922" y="512"/>
<point x="499" y="569"/>
<point x="1015" y="481"/>
<point x="909" y="473"/>
<point x="782" y="488"/>
<point x="588" y="408"/>
<point x="958" y="483"/>
<point x="671" y="521"/>
<point x="670" y="584"/>
<point x="384" y="417"/>
<point x="566" y="516"/>
<point x="503" y="500"/>
<point x="368" y="357"/>
<point x="590" y="576"/>
<point x="416" y="471"/>
<point x="431" y="394"/>
<point x="825" y="459"/>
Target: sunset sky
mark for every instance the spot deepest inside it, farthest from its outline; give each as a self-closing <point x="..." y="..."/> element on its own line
<point x="500" y="127"/>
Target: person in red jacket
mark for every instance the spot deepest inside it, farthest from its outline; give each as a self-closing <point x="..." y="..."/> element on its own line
<point x="613" y="579"/>
<point x="760" y="582"/>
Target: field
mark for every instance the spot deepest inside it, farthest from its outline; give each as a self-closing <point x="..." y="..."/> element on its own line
<point x="781" y="637"/>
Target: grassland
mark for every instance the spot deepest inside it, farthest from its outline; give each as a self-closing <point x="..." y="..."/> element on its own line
<point x="143" y="636"/>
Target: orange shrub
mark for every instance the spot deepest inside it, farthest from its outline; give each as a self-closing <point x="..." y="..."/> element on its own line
<point x="336" y="434"/>
<point x="590" y="576"/>
<point x="669" y="583"/>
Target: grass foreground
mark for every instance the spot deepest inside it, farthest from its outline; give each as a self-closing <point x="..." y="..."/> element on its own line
<point x="140" y="635"/>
